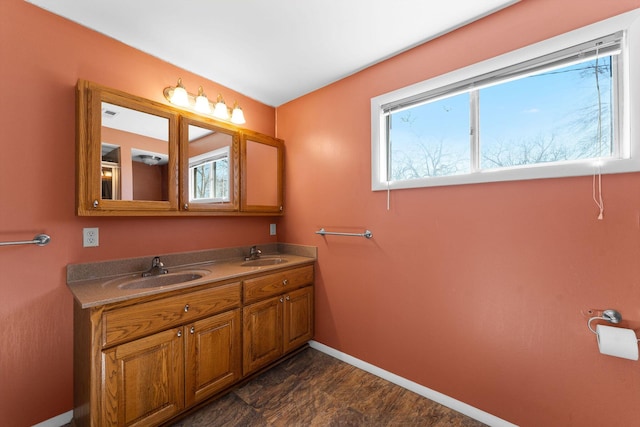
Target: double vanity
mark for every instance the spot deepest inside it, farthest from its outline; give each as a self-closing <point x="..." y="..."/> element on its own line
<point x="156" y="337"/>
<point x="150" y="348"/>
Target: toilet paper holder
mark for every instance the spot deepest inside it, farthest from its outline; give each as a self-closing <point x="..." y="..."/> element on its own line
<point x="614" y="341"/>
<point x="611" y="316"/>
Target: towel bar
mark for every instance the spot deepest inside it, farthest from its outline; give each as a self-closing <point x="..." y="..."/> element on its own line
<point x="367" y="234"/>
<point x="40" y="240"/>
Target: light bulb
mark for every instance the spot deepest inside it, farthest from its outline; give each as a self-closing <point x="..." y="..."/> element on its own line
<point x="237" y="116"/>
<point x="180" y="96"/>
<point x="202" y="102"/>
<point x="220" y="110"/>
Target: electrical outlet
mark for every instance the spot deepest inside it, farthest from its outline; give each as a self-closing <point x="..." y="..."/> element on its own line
<point x="272" y="229"/>
<point x="90" y="237"/>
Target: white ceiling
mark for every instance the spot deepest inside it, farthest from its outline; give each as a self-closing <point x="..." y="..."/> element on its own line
<point x="273" y="51"/>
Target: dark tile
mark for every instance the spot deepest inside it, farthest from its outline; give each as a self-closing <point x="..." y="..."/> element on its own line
<point x="314" y="389"/>
<point x="224" y="412"/>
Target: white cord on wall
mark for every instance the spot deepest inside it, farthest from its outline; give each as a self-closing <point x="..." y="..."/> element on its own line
<point x="597" y="189"/>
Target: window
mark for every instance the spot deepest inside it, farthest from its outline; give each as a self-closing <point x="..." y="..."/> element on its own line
<point x="209" y="177"/>
<point x="557" y="108"/>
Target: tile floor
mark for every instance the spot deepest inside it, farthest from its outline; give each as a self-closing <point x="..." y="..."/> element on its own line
<point x="314" y="389"/>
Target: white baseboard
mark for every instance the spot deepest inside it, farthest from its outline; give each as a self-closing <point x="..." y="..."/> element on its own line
<point x="58" y="421"/>
<point x="438" y="397"/>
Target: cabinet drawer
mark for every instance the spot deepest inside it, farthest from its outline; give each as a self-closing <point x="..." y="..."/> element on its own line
<point x="135" y="321"/>
<point x="277" y="283"/>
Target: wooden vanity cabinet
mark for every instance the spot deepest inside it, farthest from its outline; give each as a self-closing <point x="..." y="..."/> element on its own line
<point x="279" y="317"/>
<point x="151" y="379"/>
<point x="143" y="362"/>
<point x="188" y="351"/>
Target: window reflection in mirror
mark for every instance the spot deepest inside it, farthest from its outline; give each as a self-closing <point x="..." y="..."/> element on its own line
<point x="135" y="154"/>
<point x="209" y="165"/>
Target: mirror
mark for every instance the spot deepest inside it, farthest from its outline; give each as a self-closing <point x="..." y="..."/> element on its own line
<point x="127" y="153"/>
<point x="209" y="166"/>
<point x="262" y="173"/>
<point x="135" y="154"/>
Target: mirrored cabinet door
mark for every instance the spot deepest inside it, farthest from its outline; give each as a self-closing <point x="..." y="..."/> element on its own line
<point x="262" y="173"/>
<point x="127" y="153"/>
<point x="209" y="166"/>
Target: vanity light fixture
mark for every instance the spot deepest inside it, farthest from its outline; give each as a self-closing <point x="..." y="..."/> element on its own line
<point x="179" y="96"/>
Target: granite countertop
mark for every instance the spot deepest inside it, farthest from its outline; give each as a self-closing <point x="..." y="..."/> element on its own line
<point x="97" y="284"/>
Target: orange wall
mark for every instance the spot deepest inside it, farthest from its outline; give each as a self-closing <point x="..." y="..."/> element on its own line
<point x="41" y="58"/>
<point x="475" y="291"/>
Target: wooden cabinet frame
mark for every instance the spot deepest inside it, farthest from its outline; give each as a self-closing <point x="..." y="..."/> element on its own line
<point x="89" y="182"/>
<point x="89" y="201"/>
<point x="254" y="176"/>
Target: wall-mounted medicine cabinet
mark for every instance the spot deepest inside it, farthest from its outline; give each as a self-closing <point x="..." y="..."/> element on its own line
<point x="139" y="157"/>
<point x="262" y="173"/>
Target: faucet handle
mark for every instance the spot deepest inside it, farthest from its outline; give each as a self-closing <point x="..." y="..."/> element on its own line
<point x="254" y="253"/>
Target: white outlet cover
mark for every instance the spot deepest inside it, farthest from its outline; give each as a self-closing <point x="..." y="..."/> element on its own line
<point x="90" y="237"/>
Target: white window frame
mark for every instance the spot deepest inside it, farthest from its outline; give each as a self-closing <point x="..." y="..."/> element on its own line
<point x="628" y="105"/>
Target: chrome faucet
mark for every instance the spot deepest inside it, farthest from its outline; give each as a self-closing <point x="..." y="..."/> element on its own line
<point x="157" y="268"/>
<point x="254" y="253"/>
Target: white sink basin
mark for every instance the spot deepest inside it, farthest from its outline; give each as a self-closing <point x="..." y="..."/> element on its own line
<point x="174" y="278"/>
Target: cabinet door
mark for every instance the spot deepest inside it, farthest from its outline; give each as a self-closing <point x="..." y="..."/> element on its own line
<point x="262" y="333"/>
<point x="127" y="153"/>
<point x="209" y="165"/>
<point x="298" y="318"/>
<point x="262" y="173"/>
<point x="144" y="380"/>
<point x="213" y="355"/>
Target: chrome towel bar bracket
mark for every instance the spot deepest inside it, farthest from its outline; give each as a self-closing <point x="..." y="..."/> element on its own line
<point x="39" y="239"/>
<point x="367" y="234"/>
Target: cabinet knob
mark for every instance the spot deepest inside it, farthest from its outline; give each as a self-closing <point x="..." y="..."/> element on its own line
<point x="281" y="299"/>
<point x="95" y="203"/>
<point x="288" y="298"/>
<point x="179" y="332"/>
<point x="186" y="206"/>
<point x="285" y="282"/>
<point x="186" y="308"/>
<point x="192" y="330"/>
